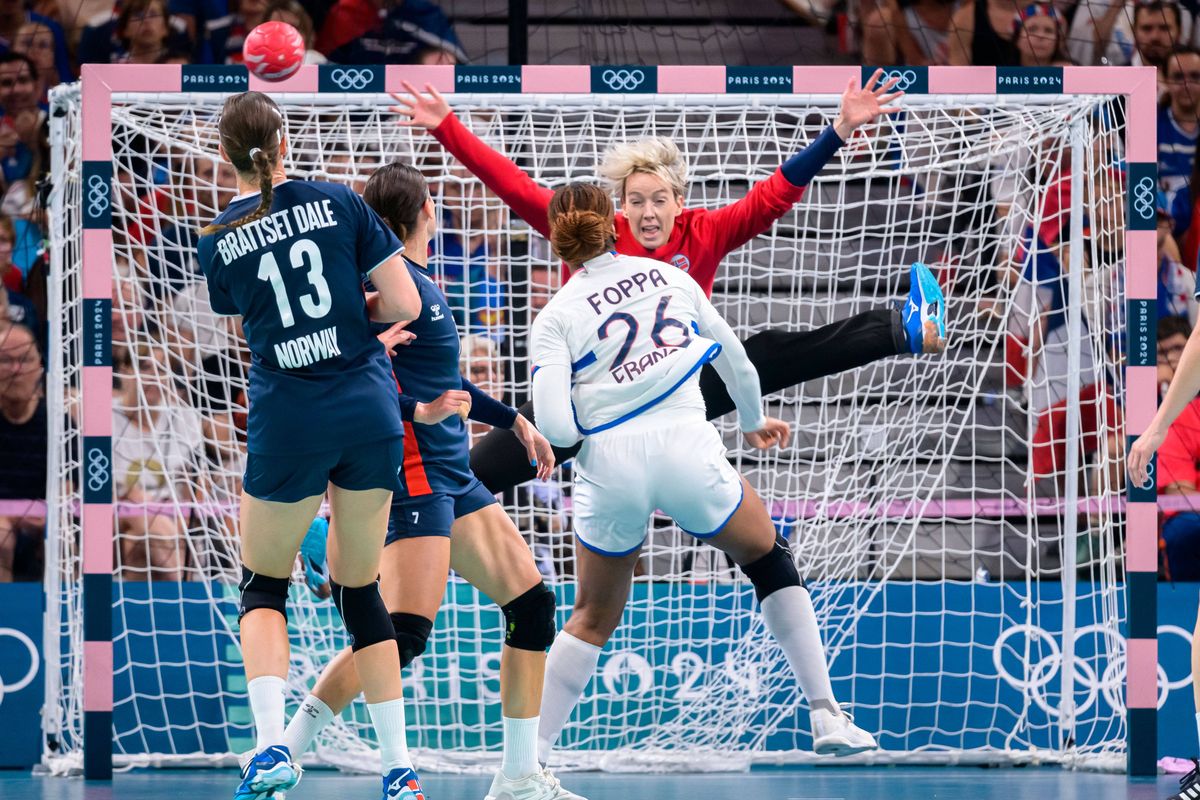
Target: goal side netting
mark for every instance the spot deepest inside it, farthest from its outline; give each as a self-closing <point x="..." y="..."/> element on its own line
<point x="962" y="558"/>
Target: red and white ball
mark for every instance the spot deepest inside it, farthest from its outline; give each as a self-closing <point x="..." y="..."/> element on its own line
<point x="273" y="50"/>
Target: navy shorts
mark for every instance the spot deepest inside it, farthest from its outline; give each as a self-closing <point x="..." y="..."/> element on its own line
<point x="433" y="514"/>
<point x="289" y="479"/>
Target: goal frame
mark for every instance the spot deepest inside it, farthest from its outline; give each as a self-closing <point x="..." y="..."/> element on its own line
<point x="101" y="82"/>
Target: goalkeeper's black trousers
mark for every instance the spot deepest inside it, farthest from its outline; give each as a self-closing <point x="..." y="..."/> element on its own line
<point x="782" y="358"/>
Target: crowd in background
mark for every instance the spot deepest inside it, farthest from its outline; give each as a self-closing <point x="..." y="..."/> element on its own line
<point x="43" y="43"/>
<point x="1158" y="33"/>
<point x="157" y="433"/>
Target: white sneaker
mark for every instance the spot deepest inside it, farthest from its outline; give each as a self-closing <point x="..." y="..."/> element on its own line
<point x="836" y="734"/>
<point x="535" y="786"/>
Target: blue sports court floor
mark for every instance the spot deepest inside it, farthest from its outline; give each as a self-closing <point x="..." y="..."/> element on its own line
<point x="890" y="783"/>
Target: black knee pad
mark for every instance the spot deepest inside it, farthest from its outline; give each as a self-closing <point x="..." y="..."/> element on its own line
<point x="259" y="591"/>
<point x="364" y="614"/>
<point x="774" y="571"/>
<point x="529" y="620"/>
<point x="412" y="632"/>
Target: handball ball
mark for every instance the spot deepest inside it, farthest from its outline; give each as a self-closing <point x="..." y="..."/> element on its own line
<point x="273" y="50"/>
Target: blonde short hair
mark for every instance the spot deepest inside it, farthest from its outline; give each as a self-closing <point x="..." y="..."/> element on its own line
<point x="655" y="156"/>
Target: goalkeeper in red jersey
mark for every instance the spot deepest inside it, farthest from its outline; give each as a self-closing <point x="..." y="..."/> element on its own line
<point x="649" y="178"/>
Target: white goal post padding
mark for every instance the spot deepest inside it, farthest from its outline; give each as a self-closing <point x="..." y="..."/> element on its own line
<point x="962" y="557"/>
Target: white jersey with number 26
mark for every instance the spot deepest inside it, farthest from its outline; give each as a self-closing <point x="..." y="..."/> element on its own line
<point x="632" y="334"/>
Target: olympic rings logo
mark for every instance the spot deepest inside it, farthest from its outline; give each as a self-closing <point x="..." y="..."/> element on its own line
<point x="97" y="195"/>
<point x="1143" y="198"/>
<point x="1109" y="684"/>
<point x="905" y="78"/>
<point x="97" y="468"/>
<point x="350" y="79"/>
<point x="31" y="673"/>
<point x="623" y="80"/>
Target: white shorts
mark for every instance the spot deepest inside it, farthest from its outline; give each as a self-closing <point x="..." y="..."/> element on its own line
<point x="678" y="467"/>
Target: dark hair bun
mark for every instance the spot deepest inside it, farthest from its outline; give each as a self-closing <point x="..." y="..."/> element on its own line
<point x="579" y="235"/>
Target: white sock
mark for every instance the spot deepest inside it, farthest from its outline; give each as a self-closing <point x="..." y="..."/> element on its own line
<point x="1198" y="723"/>
<point x="569" y="667"/>
<point x="266" y="706"/>
<point x="520" y="747"/>
<point x="311" y="716"/>
<point x="791" y="619"/>
<point x="389" y="727"/>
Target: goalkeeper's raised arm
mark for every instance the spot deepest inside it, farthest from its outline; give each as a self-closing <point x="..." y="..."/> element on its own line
<point x="649" y="177"/>
<point x="513" y="185"/>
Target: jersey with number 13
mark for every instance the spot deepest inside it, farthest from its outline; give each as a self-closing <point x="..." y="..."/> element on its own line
<point x="296" y="278"/>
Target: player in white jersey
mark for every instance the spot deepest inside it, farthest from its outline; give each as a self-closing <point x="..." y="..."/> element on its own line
<point x="616" y="356"/>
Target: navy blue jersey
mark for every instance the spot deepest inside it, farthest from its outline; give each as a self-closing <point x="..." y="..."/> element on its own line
<point x="435" y="456"/>
<point x="319" y="379"/>
<point x="1176" y="149"/>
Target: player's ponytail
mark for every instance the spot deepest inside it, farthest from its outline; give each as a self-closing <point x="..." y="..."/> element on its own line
<point x="251" y="131"/>
<point x="581" y="222"/>
<point x="396" y="192"/>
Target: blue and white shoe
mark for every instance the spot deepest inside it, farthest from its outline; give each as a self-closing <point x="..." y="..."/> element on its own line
<point x="925" y="312"/>
<point x="312" y="556"/>
<point x="402" y="783"/>
<point x="269" y="774"/>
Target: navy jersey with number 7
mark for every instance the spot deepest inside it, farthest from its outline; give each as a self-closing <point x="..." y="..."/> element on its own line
<point x="319" y="379"/>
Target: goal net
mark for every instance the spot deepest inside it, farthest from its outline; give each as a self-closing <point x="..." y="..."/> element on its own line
<point x="957" y="517"/>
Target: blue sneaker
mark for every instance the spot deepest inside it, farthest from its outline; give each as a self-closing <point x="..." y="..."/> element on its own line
<point x="269" y="774"/>
<point x="925" y="312"/>
<point x="312" y="555"/>
<point x="402" y="784"/>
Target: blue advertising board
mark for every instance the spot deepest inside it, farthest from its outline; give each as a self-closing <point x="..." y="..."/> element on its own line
<point x="946" y="667"/>
<point x="21" y="674"/>
<point x="950" y="665"/>
<point x="1177" y="604"/>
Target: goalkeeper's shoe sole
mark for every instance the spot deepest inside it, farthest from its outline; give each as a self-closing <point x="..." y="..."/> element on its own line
<point x="924" y="312"/>
<point x="837" y="735"/>
<point x="1189" y="785"/>
<point x="269" y="774"/>
<point x="313" y="557"/>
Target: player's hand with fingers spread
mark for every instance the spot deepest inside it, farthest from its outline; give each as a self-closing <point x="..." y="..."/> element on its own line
<point x="860" y="106"/>
<point x="395" y="336"/>
<point x="449" y="403"/>
<point x="541" y="454"/>
<point x="775" y="432"/>
<point x="423" y="110"/>
<point x="1142" y="451"/>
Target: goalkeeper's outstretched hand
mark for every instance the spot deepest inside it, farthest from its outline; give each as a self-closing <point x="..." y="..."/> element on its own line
<point x="423" y="110"/>
<point x="312" y="556"/>
<point x="860" y="106"/>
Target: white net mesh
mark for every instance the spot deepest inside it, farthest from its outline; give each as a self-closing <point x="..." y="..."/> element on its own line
<point x="928" y="500"/>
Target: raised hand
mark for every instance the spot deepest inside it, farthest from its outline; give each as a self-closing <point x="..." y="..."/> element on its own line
<point x="447" y="404"/>
<point x="774" y="432"/>
<point x="541" y="455"/>
<point x="423" y="110"/>
<point x="860" y="106"/>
